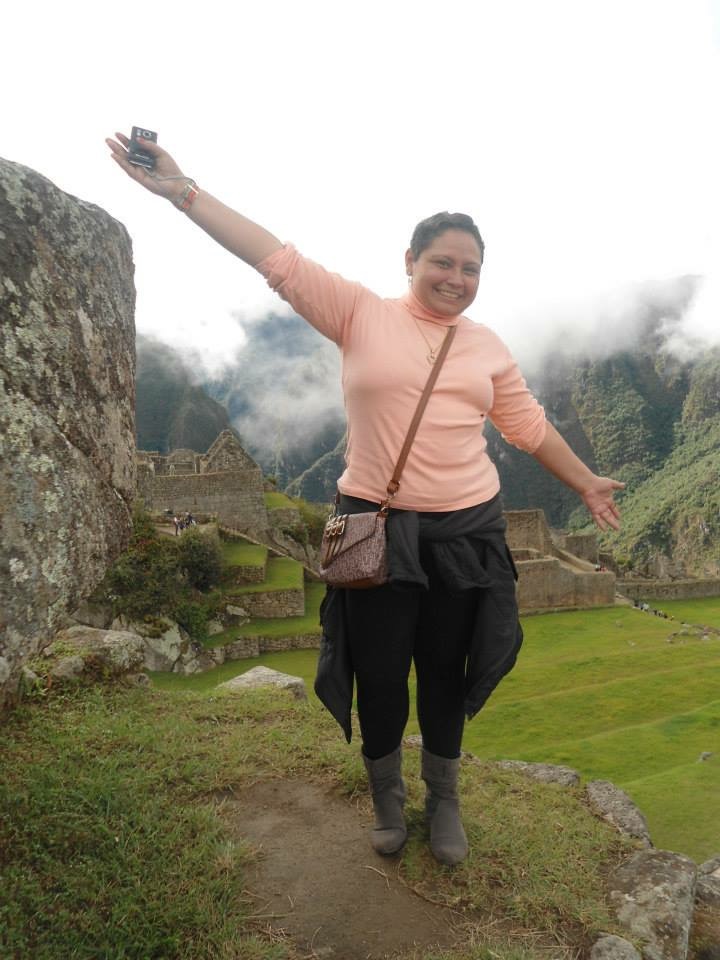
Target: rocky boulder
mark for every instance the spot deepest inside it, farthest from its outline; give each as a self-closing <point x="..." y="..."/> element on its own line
<point x="265" y="677"/>
<point x="653" y="894"/>
<point x="67" y="394"/>
<point x="81" y="651"/>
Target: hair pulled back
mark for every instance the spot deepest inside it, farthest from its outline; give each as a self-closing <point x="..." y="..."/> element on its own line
<point x="430" y="228"/>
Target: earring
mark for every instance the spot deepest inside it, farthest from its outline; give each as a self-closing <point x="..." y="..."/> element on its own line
<point x="409" y="279"/>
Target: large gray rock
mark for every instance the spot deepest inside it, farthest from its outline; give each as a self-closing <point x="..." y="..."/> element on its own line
<point x="116" y="652"/>
<point x="653" y="894"/>
<point x="543" y="772"/>
<point x="708" y="887"/>
<point x="67" y="394"/>
<point x="610" y="947"/>
<point x="166" y="645"/>
<point x="615" y="806"/>
<point x="265" y="677"/>
<point x="98" y="615"/>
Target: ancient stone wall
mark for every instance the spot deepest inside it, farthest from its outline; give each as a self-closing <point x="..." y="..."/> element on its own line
<point x="225" y="483"/>
<point x="549" y="584"/>
<point x="527" y="529"/>
<point x="669" y="589"/>
<point x="550" y="576"/>
<point x="235" y="497"/>
<point x="583" y="545"/>
<point x="67" y="404"/>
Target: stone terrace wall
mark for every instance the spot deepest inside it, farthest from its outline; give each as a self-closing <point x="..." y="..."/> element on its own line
<point x="528" y="529"/>
<point x="235" y="497"/>
<point x="548" y="584"/>
<point x="67" y="407"/>
<point x="669" y="589"/>
<point x="583" y="545"/>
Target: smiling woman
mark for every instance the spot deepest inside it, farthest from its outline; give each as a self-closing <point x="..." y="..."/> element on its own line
<point x="444" y="260"/>
<point x="449" y="604"/>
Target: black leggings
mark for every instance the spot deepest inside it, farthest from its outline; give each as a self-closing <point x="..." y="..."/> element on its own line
<point x="387" y="630"/>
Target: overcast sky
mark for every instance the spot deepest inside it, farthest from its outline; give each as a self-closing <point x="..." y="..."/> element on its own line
<point x="582" y="136"/>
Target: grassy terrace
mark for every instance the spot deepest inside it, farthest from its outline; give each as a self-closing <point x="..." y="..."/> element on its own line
<point x="278" y="501"/>
<point x="237" y="553"/>
<point x="278" y="626"/>
<point x="282" y="573"/>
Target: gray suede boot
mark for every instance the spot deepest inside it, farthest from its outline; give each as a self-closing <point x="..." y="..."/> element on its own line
<point x="388" y="795"/>
<point x="442" y="808"/>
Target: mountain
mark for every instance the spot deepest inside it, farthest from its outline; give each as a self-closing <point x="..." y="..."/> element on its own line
<point x="283" y="396"/>
<point x="172" y="412"/>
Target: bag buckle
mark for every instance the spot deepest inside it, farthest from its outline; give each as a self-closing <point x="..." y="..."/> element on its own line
<point x="335" y="527"/>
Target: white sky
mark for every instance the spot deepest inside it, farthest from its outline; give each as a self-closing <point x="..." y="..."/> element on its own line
<point x="582" y="136"/>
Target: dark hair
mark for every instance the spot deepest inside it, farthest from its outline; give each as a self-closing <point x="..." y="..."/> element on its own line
<point x="426" y="231"/>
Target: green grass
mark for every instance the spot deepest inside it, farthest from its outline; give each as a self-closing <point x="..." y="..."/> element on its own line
<point x="240" y="554"/>
<point x="113" y="844"/>
<point x="278" y="501"/>
<point x="695" y="818"/>
<point x="705" y="611"/>
<point x="282" y="573"/>
<point x="299" y="663"/>
<point x="612" y="694"/>
<point x="657" y="746"/>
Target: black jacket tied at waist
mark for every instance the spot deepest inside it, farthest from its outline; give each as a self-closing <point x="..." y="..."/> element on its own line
<point x="470" y="553"/>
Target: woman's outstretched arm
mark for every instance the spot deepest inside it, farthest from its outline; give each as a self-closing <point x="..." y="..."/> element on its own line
<point x="596" y="492"/>
<point x="242" y="237"/>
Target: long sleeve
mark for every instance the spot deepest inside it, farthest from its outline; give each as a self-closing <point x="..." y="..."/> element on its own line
<point x="326" y="300"/>
<point x="515" y="411"/>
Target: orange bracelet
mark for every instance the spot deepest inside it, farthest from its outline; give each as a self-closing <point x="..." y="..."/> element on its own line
<point x="187" y="197"/>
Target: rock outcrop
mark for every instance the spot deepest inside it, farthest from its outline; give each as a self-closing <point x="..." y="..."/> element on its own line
<point x="67" y="381"/>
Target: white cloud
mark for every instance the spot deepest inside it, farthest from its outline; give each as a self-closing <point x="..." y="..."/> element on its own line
<point x="581" y="137"/>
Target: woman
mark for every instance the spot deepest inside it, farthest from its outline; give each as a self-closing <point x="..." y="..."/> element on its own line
<point x="450" y="604"/>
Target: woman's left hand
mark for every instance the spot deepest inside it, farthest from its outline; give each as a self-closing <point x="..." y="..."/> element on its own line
<point x="598" y="498"/>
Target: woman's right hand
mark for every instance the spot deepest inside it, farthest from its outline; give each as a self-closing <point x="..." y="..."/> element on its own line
<point x="165" y="166"/>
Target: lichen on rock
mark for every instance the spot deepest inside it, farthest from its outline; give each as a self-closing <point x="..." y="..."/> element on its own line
<point x="67" y="383"/>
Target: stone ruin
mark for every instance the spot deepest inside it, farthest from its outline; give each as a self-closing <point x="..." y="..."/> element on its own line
<point x="225" y="482"/>
<point x="67" y="407"/>
<point x="556" y="572"/>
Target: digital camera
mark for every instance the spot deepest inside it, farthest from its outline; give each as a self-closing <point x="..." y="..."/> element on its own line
<point x="138" y="156"/>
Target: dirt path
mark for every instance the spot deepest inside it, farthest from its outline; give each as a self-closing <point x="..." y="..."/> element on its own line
<point x="319" y="881"/>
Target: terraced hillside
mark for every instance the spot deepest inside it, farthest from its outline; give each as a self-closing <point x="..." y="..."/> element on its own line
<point x="282" y="607"/>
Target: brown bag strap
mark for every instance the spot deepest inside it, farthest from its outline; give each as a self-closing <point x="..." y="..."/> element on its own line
<point x="394" y="485"/>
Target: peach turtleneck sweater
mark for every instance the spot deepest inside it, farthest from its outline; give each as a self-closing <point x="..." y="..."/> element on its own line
<point x="384" y="370"/>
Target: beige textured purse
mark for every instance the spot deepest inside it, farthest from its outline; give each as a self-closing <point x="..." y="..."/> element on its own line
<point x="353" y="554"/>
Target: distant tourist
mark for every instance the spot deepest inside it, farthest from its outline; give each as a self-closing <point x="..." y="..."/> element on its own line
<point x="450" y="602"/>
<point x="176" y="521"/>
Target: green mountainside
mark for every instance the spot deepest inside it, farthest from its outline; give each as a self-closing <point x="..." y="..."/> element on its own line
<point x="638" y="414"/>
<point x="172" y="411"/>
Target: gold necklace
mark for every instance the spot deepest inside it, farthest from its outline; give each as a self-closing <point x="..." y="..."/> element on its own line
<point x="432" y="354"/>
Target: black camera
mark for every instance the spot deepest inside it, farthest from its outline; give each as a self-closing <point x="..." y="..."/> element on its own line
<point x="136" y="154"/>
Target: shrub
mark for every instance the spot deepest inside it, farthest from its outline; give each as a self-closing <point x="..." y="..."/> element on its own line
<point x="192" y="616"/>
<point x="200" y="558"/>
<point x="146" y="579"/>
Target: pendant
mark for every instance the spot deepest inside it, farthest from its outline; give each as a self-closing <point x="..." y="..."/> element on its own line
<point x="431" y="358"/>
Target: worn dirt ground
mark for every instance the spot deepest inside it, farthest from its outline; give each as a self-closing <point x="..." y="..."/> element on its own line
<point x="318" y="881"/>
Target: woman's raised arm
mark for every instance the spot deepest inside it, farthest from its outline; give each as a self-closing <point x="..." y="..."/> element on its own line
<point x="247" y="240"/>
